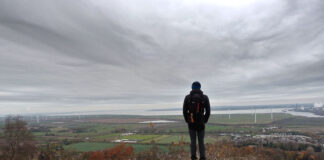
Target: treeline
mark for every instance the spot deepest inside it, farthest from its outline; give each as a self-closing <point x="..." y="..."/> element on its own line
<point x="285" y="146"/>
<point x="17" y="143"/>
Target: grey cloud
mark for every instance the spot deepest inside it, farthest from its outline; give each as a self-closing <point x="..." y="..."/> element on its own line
<point x="112" y="52"/>
<point x="96" y="38"/>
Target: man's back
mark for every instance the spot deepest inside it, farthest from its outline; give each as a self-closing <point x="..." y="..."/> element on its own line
<point x="205" y="108"/>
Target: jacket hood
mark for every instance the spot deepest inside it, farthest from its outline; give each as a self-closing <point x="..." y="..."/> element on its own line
<point x="196" y="91"/>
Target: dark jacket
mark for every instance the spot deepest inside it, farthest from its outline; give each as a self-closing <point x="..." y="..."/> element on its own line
<point x="186" y="110"/>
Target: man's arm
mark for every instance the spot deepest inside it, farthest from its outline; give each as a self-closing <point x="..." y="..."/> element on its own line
<point x="207" y="114"/>
<point x="185" y="109"/>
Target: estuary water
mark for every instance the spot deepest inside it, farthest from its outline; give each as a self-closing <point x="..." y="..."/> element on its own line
<point x="179" y="112"/>
<point x="241" y="111"/>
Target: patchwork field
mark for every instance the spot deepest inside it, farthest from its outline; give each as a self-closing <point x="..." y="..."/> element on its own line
<point x="90" y="133"/>
<point x="94" y="146"/>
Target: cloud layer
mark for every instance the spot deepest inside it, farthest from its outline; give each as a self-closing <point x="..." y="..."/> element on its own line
<point x="62" y="55"/>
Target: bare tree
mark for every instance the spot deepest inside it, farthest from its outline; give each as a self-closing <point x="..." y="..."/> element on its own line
<point x="18" y="140"/>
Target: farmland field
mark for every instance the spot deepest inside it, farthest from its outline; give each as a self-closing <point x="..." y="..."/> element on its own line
<point x="94" y="146"/>
<point x="90" y="133"/>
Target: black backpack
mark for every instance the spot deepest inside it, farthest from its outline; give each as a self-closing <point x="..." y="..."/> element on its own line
<point x="196" y="109"/>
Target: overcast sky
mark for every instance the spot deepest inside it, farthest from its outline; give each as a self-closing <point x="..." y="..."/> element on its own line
<point x="67" y="55"/>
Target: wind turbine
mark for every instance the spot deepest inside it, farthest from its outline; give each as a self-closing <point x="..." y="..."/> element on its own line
<point x="255" y="118"/>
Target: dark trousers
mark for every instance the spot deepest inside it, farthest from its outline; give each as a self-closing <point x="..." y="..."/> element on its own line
<point x="201" y="135"/>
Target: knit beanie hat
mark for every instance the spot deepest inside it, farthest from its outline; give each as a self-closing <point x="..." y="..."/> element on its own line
<point x="196" y="85"/>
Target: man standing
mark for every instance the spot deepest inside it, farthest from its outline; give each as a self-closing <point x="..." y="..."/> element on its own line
<point x="196" y="111"/>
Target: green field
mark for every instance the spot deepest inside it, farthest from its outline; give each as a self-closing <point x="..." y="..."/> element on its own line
<point x="261" y="118"/>
<point x="107" y="137"/>
<point x="95" y="133"/>
<point x="94" y="146"/>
